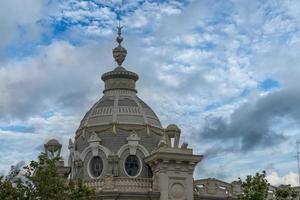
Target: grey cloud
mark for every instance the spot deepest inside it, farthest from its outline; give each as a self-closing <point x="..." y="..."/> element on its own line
<point x="250" y="126"/>
<point x="61" y="77"/>
<point x="39" y="148"/>
<point x="203" y="171"/>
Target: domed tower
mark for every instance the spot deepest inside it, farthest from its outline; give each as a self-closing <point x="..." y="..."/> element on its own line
<point x="121" y="149"/>
<point x="118" y="131"/>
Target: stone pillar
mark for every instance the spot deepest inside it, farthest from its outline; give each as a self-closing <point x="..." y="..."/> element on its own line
<point x="173" y="170"/>
<point x="113" y="164"/>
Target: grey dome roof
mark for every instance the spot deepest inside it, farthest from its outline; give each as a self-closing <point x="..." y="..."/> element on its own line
<point x="53" y="142"/>
<point x="120" y="109"/>
<point x="173" y="128"/>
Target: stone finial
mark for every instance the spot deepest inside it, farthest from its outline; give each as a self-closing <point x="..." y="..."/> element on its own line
<point x="119" y="78"/>
<point x="184" y="145"/>
<point x="119" y="53"/>
<point x="119" y="39"/>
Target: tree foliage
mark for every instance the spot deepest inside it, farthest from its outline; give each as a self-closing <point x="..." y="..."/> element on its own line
<point x="255" y="187"/>
<point x="285" y="193"/>
<point x="42" y="182"/>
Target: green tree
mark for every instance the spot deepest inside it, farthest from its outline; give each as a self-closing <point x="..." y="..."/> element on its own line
<point x="42" y="182"/>
<point x="255" y="187"/>
<point x="8" y="191"/>
<point x="285" y="193"/>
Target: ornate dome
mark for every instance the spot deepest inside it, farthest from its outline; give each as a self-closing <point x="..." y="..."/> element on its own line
<point x="120" y="104"/>
<point x="120" y="109"/>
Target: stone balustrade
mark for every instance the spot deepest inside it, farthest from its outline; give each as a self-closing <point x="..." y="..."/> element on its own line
<point x="121" y="184"/>
<point x="212" y="188"/>
<point x="205" y="188"/>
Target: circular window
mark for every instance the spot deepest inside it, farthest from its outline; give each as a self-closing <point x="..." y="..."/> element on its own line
<point x="96" y="166"/>
<point x="132" y="165"/>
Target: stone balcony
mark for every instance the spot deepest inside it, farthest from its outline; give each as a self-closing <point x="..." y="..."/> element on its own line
<point x="121" y="184"/>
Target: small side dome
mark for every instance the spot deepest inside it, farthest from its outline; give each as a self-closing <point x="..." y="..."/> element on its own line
<point x="173" y="135"/>
<point x="173" y="128"/>
<point x="53" y="142"/>
<point x="52" y="148"/>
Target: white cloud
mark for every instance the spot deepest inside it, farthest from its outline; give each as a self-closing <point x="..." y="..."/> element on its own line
<point x="289" y="179"/>
<point x="192" y="56"/>
<point x="137" y="14"/>
<point x="17" y="146"/>
<point x="32" y="86"/>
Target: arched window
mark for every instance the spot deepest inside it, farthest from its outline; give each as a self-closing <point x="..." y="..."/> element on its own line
<point x="132" y="165"/>
<point x="96" y="166"/>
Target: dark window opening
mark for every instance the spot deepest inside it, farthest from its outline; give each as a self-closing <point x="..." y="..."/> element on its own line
<point x="132" y="165"/>
<point x="96" y="166"/>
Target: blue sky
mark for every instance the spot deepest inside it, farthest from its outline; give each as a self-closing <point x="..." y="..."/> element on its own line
<point x="227" y="72"/>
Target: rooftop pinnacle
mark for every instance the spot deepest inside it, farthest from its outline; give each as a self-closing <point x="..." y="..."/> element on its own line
<point x="119" y="53"/>
<point x="119" y="78"/>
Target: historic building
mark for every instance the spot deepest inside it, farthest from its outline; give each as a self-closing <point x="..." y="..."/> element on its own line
<point x="122" y="150"/>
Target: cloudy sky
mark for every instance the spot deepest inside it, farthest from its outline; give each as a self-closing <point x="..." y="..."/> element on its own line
<point x="227" y="72"/>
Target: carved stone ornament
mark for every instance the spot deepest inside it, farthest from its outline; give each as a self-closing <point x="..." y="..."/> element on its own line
<point x="78" y="163"/>
<point x="119" y="54"/>
<point x="177" y="191"/>
<point x="133" y="141"/>
<point x="94" y="141"/>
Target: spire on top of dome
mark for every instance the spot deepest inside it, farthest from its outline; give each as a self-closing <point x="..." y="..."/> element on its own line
<point x="119" y="78"/>
<point x="119" y="53"/>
